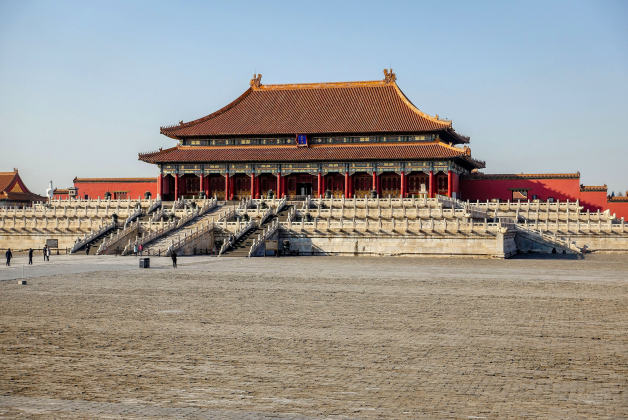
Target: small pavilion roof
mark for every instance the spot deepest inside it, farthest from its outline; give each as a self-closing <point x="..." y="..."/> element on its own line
<point x="324" y="108"/>
<point x="12" y="188"/>
<point x="340" y="152"/>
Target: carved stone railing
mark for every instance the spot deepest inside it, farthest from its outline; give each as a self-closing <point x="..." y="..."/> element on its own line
<point x="400" y="225"/>
<point x="157" y="203"/>
<point x="120" y="236"/>
<point x="267" y="234"/>
<point x="229" y="243"/>
<point x="170" y="226"/>
<point x="191" y="239"/>
<point x="267" y="213"/>
<point x="138" y="212"/>
<point x="245" y="203"/>
<point x="88" y="238"/>
<point x="553" y="239"/>
<point x="280" y="205"/>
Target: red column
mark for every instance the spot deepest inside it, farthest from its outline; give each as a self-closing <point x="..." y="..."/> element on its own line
<point x="202" y="183"/>
<point x="346" y="184"/>
<point x="320" y="186"/>
<point x="206" y="186"/>
<point x="431" y="193"/>
<point x="449" y="182"/>
<point x="226" y="186"/>
<point x="403" y="184"/>
<point x="231" y="187"/>
<point x="351" y="186"/>
<point x="379" y="184"/>
<point x="278" y="192"/>
<point x="258" y="187"/>
<point x="252" y="185"/>
<point x="160" y="185"/>
<point x="176" y="187"/>
<point x="374" y="184"/>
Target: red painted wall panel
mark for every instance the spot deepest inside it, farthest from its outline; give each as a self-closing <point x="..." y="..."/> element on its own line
<point x="487" y="189"/>
<point x="98" y="189"/>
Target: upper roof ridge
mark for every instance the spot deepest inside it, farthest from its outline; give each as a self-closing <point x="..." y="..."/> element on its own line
<point x="331" y="107"/>
<point x="389" y="77"/>
<point x="322" y="85"/>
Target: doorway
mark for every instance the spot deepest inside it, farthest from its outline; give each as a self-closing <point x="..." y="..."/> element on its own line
<point x="304" y="188"/>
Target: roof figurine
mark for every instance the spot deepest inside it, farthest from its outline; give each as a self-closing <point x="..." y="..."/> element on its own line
<point x="256" y="81"/>
<point x="389" y="76"/>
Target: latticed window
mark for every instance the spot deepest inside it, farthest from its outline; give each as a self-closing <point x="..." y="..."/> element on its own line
<point x="243" y="184"/>
<point x="192" y="184"/>
<point x="217" y="184"/>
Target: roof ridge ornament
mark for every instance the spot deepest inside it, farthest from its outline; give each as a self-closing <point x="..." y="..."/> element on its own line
<point x="389" y="76"/>
<point x="256" y="81"/>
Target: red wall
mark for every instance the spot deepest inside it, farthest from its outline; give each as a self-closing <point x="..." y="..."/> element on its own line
<point x="134" y="188"/>
<point x="61" y="196"/>
<point x="594" y="200"/>
<point x="620" y="209"/>
<point x="487" y="189"/>
<point x="561" y="189"/>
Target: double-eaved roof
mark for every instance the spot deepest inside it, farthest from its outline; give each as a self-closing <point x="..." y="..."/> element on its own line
<point x="316" y="108"/>
<point x="323" y="109"/>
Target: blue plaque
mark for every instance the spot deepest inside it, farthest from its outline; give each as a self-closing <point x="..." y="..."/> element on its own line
<point x="301" y="140"/>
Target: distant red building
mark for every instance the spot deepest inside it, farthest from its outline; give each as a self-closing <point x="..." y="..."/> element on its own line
<point x="543" y="187"/>
<point x="119" y="188"/>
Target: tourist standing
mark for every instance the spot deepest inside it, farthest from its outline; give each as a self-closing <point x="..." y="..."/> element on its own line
<point x="47" y="253"/>
<point x="174" y="259"/>
<point x="30" y="256"/>
<point x="135" y="250"/>
<point x="87" y="249"/>
<point x="9" y="255"/>
<point x="141" y="248"/>
<point x="45" y="246"/>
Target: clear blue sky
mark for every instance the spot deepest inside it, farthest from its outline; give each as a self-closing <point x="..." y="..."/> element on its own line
<point x="540" y="86"/>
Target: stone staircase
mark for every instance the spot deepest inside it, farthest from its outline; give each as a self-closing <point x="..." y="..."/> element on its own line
<point x="161" y="244"/>
<point x="550" y="241"/>
<point x="243" y="245"/>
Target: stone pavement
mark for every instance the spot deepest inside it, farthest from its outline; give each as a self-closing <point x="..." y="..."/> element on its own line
<point x="15" y="406"/>
<point x="73" y="264"/>
<point x="531" y="337"/>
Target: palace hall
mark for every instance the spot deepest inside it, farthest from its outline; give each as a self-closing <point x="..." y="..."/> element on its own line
<point x="340" y="139"/>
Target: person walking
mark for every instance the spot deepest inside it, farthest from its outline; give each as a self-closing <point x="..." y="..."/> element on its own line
<point x="30" y="256"/>
<point x="47" y="253"/>
<point x="135" y="250"/>
<point x="45" y="246"/>
<point x="141" y="248"/>
<point x="87" y="249"/>
<point x="9" y="255"/>
<point x="174" y="259"/>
